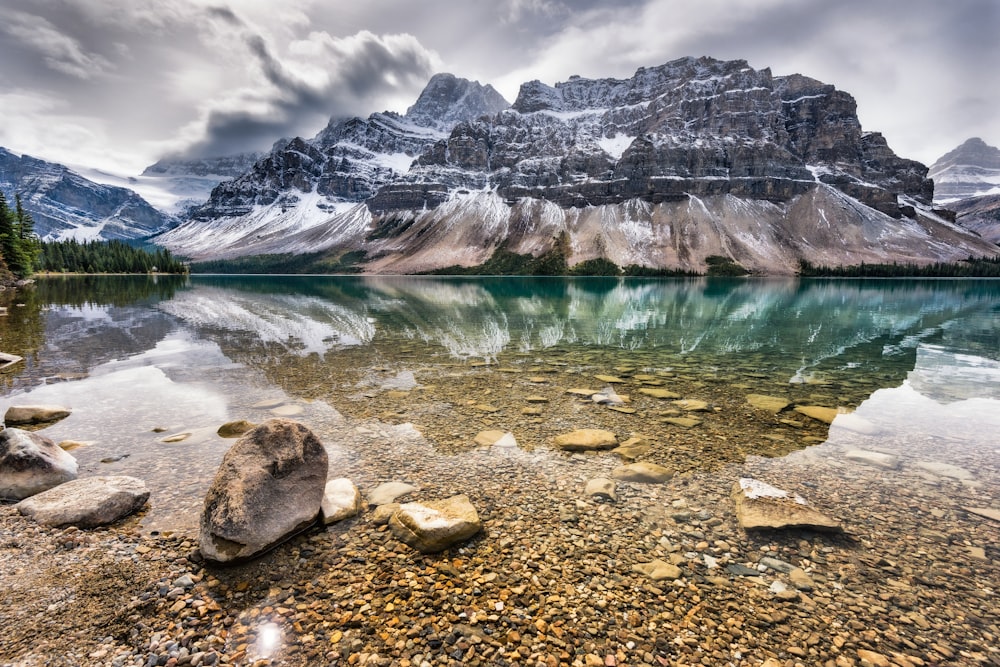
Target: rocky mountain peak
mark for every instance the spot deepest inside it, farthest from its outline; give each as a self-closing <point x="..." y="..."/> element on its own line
<point x="970" y="170"/>
<point x="447" y="100"/>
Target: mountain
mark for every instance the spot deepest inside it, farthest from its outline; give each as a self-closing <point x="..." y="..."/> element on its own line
<point x="967" y="181"/>
<point x="178" y="184"/>
<point x="66" y="205"/>
<point x="303" y="183"/>
<point x="694" y="158"/>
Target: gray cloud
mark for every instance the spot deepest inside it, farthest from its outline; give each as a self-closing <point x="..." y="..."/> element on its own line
<point x="59" y="51"/>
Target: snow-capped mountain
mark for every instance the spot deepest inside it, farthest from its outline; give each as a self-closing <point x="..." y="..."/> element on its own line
<point x="694" y="158"/>
<point x="66" y="205"/>
<point x="184" y="183"/>
<point x="304" y="183"/>
<point x="967" y="181"/>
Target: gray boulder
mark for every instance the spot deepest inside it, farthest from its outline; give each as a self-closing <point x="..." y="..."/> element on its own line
<point x="435" y="525"/>
<point x="87" y="502"/>
<point x="268" y="488"/>
<point x="24" y="415"/>
<point x="31" y="463"/>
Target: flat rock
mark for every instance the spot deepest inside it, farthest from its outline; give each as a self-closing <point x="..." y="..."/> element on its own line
<point x="632" y="448"/>
<point x="287" y="410"/>
<point x="23" y="415"/>
<point x="659" y="393"/>
<point x="536" y="399"/>
<point x="387" y="492"/>
<point x="586" y="439"/>
<point x="658" y="570"/>
<point x="341" y="500"/>
<point x="585" y="393"/>
<point x="87" y="502"/>
<point x="642" y="472"/>
<point x="269" y="487"/>
<point x="692" y="405"/>
<point x="818" y="412"/>
<point x="235" y="429"/>
<point x="31" y="463"/>
<point x="608" y="396"/>
<point x="487" y="438"/>
<point x="773" y="404"/>
<point x="433" y="526"/>
<point x="988" y="512"/>
<point x="176" y="437"/>
<point x="602" y="487"/>
<point x="877" y="459"/>
<point x="610" y="379"/>
<point x="945" y="470"/>
<point x="683" y="422"/>
<point x="762" y="506"/>
<point x="873" y="658"/>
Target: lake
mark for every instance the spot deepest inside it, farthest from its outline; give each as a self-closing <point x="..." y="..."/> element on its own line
<point x="879" y="401"/>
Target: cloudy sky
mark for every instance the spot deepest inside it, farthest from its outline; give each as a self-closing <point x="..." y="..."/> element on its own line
<point x="116" y="84"/>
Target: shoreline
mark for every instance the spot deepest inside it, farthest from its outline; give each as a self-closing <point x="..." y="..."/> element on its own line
<point x="549" y="581"/>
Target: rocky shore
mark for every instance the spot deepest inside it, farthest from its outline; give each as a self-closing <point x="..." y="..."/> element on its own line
<point x="661" y="575"/>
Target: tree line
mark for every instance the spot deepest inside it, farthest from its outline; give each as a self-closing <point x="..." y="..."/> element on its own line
<point x="105" y="257"/>
<point x="972" y="267"/>
<point x="19" y="245"/>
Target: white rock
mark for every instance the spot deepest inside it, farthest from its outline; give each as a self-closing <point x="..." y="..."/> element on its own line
<point x="877" y="459"/>
<point x="31" y="463"/>
<point x="341" y="500"/>
<point x="433" y="526"/>
<point x="602" y="487"/>
<point x="87" y="502"/>
<point x="388" y="492"/>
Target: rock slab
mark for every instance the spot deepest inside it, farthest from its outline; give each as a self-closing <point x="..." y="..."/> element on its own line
<point x="658" y="570"/>
<point x="31" y="463"/>
<point x="433" y="526"/>
<point x="341" y="500"/>
<point x="269" y="487"/>
<point x="87" y="502"/>
<point x="642" y="472"/>
<point x="586" y="439"/>
<point x="23" y="415"/>
<point x="388" y="492"/>
<point x="602" y="487"/>
<point x="760" y="506"/>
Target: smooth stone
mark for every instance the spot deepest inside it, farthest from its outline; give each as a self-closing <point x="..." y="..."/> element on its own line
<point x="487" y="438"/>
<point x="739" y="570"/>
<point x="383" y="513"/>
<point x="536" y="399"/>
<point x="877" y="459"/>
<point x="235" y="429"/>
<point x="610" y="379"/>
<point x="70" y="445"/>
<point x="507" y="441"/>
<point x="987" y="512"/>
<point x="287" y="410"/>
<point x="632" y="448"/>
<point x="945" y="470"/>
<point x="685" y="422"/>
<point x="692" y="405"/>
<point x="762" y="506"/>
<point x="659" y="393"/>
<point x="23" y="415"/>
<point x="267" y="404"/>
<point x="31" y="463"/>
<point x="433" y="526"/>
<point x="658" y="570"/>
<point x="531" y="412"/>
<point x="776" y="564"/>
<point x="642" y="472"/>
<point x="341" y="500"/>
<point x="176" y="437"/>
<point x="87" y="502"/>
<point x="876" y="659"/>
<point x="586" y="439"/>
<point x="387" y="492"/>
<point x="269" y="487"/>
<point x="773" y="404"/>
<point x="601" y="487"/>
<point x="486" y="407"/>
<point x="622" y="409"/>
<point x="801" y="580"/>
<point x="818" y="412"/>
<point x="586" y="393"/>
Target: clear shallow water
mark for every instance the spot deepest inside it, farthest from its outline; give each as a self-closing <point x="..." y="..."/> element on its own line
<point x="918" y="362"/>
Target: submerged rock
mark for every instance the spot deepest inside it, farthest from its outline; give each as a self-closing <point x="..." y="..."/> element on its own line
<point x="235" y="429"/>
<point x="601" y="487"/>
<point x="585" y="439"/>
<point x="818" y="412"/>
<point x="877" y="459"/>
<point x="341" y="500"/>
<point x="762" y="506"/>
<point x="31" y="463"/>
<point x="658" y="570"/>
<point x="632" y="448"/>
<point x="87" y="502"/>
<point x="433" y="526"/>
<point x="269" y="487"/>
<point x="773" y="404"/>
<point x="642" y="473"/>
<point x="388" y="492"/>
<point x="24" y="415"/>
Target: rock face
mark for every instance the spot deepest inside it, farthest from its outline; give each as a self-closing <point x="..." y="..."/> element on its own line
<point x="87" y="502"/>
<point x="21" y="415"/>
<point x="694" y="158"/>
<point x="64" y="204"/>
<point x="433" y="526"/>
<point x="967" y="181"/>
<point x="31" y="463"/>
<point x="760" y="506"/>
<point x="269" y="486"/>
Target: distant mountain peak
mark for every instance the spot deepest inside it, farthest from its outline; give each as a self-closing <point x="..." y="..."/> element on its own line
<point x="970" y="170"/>
<point x="448" y="99"/>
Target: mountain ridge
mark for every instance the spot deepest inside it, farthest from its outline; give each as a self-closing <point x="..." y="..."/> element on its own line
<point x="693" y="158"/>
<point x="967" y="180"/>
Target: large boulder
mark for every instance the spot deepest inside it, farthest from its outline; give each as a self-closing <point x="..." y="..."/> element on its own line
<point x="87" y="502"/>
<point x="760" y="506"/>
<point x="268" y="488"/>
<point x="31" y="463"/>
<point x="24" y="415"/>
<point x="435" y="525"/>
